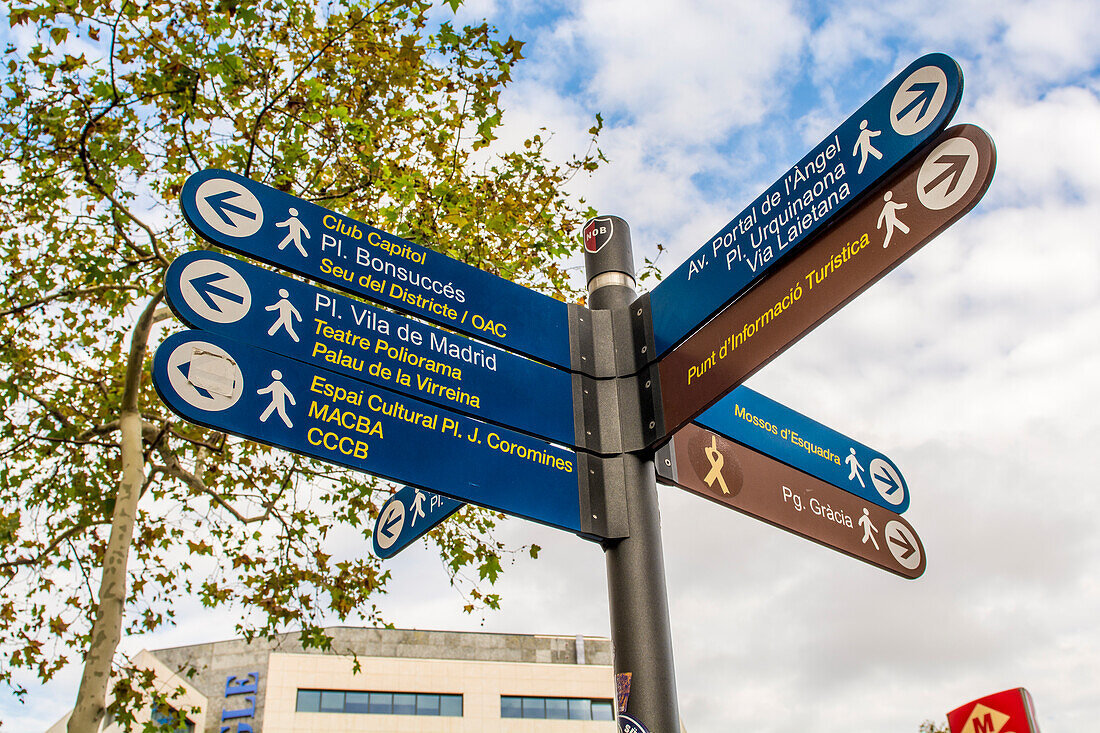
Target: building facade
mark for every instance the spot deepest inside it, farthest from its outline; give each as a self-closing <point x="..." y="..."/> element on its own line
<point x="395" y="680"/>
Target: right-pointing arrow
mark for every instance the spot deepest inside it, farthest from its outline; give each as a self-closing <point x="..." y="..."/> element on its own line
<point x="889" y="481"/>
<point x="903" y="542"/>
<point x="218" y="203"/>
<point x="925" y="92"/>
<point x="955" y="165"/>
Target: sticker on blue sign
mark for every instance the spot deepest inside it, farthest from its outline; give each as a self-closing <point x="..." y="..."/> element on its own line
<point x="244" y="302"/>
<point x="880" y="136"/>
<point x="293" y="234"/>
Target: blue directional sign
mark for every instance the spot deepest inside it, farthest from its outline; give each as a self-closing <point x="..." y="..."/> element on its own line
<point x="297" y="235"/>
<point x="908" y="112"/>
<point x="753" y="420"/>
<point x="244" y="302"/>
<point x="211" y="380"/>
<point x="407" y="516"/>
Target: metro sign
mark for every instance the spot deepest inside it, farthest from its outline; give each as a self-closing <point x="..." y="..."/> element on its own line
<point x="1010" y="711"/>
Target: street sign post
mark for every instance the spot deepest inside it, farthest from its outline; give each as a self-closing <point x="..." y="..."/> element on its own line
<point x="407" y="516"/>
<point x="211" y="380"/>
<point x="1010" y="711"/>
<point x="332" y="378"/>
<point x="223" y="295"/>
<point x="897" y="121"/>
<point x="753" y="420"/>
<point x="296" y="235"/>
<point x="707" y="464"/>
<point x="915" y="205"/>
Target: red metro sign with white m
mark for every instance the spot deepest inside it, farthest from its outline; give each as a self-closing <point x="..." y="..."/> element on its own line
<point x="1010" y="711"/>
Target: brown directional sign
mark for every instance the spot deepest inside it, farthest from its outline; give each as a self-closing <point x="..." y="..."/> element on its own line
<point x="911" y="208"/>
<point x="707" y="464"/>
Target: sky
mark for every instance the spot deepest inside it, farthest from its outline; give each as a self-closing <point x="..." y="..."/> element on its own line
<point x="975" y="366"/>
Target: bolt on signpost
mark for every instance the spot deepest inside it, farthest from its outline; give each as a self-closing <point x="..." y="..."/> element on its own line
<point x="470" y="388"/>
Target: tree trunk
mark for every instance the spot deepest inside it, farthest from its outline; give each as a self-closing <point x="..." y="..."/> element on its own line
<point x="107" y="626"/>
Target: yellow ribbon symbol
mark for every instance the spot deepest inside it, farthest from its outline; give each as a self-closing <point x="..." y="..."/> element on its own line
<point x="716" y="462"/>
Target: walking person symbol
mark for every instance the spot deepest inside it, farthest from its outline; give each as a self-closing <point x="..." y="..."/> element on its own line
<point x="279" y="396"/>
<point x="295" y="230"/>
<point x="864" y="146"/>
<point x="286" y="311"/>
<point x="853" y="463"/>
<point x="868" y="528"/>
<point x="889" y="216"/>
<point x="417" y="507"/>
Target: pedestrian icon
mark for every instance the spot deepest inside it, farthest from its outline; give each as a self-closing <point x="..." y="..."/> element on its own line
<point x="889" y="217"/>
<point x="205" y="376"/>
<point x="229" y="207"/>
<point x="864" y="147"/>
<point x="286" y="311"/>
<point x="417" y="507"/>
<point x="295" y="230"/>
<point x="868" y="528"/>
<point x="853" y="463"/>
<point x="215" y="291"/>
<point x="947" y="173"/>
<point x="918" y="100"/>
<point x="279" y="396"/>
<point x="716" y="460"/>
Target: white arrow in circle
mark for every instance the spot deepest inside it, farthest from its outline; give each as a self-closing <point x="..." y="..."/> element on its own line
<point x="215" y="291"/>
<point x="390" y="523"/>
<point x="903" y="545"/>
<point x="947" y="173"/>
<point x="229" y="207"/>
<point x="918" y="100"/>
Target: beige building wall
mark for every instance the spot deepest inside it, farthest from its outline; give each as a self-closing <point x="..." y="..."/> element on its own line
<point x="481" y="684"/>
<point x="167" y="682"/>
<point x="479" y="666"/>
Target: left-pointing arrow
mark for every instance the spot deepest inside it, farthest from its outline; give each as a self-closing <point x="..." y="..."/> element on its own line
<point x="206" y="288"/>
<point x="388" y="528"/>
<point x="221" y="206"/>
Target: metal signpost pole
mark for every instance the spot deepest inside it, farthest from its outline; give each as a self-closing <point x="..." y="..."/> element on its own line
<point x="640" y="629"/>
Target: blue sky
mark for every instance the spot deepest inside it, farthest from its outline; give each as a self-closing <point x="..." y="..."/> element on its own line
<point x="973" y="366"/>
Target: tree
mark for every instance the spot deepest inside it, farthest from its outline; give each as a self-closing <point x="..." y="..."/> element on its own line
<point x="930" y="726"/>
<point x="380" y="110"/>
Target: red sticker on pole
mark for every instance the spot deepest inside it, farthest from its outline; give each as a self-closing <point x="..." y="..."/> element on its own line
<point x="597" y="233"/>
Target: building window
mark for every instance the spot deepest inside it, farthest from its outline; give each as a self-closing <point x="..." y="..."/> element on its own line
<point x="164" y="717"/>
<point x="379" y="703"/>
<point x="555" y="708"/>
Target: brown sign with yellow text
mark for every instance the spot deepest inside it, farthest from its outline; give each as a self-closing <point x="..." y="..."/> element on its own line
<point x="909" y="210"/>
<point x="708" y="464"/>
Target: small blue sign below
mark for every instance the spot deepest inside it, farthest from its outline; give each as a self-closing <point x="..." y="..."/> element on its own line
<point x="213" y="381"/>
<point x="297" y="235"/>
<point x="905" y="114"/>
<point x="753" y="420"/>
<point x="407" y="516"/>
